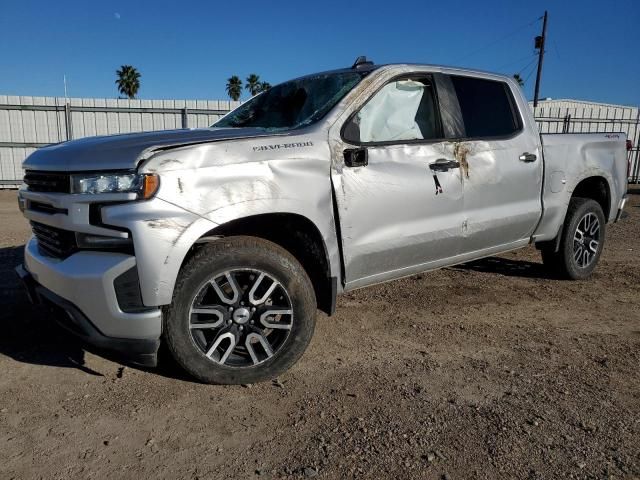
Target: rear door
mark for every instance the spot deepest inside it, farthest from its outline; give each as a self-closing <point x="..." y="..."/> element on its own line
<point x="502" y="167"/>
<point x="396" y="214"/>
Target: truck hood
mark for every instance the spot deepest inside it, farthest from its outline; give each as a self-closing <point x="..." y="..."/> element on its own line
<point x="124" y="152"/>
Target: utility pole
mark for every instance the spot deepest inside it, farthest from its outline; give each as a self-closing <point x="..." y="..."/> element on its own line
<point x="540" y="41"/>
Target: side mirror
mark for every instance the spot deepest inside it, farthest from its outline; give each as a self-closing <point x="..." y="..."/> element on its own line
<point x="356" y="157"/>
<point x="351" y="132"/>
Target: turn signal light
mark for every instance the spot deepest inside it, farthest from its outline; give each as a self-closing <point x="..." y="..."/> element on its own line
<point x="150" y="186"/>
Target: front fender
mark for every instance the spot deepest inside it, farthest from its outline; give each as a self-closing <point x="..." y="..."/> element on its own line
<point x="223" y="193"/>
<point x="162" y="235"/>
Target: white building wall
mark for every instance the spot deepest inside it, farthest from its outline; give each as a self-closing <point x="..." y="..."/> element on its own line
<point x="587" y="117"/>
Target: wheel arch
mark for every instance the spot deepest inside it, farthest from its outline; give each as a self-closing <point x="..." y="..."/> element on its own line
<point x="596" y="188"/>
<point x="294" y="232"/>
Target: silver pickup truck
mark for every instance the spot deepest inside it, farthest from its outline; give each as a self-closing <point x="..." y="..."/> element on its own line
<point x="223" y="242"/>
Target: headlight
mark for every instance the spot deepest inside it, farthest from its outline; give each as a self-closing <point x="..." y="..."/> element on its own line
<point x="145" y="185"/>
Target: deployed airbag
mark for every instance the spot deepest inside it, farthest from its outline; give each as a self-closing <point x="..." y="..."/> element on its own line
<point x="391" y="113"/>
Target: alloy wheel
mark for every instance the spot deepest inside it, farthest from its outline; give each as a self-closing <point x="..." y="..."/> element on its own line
<point x="240" y="317"/>
<point x="586" y="240"/>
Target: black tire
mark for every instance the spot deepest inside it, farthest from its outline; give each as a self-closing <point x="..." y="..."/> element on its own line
<point x="233" y="253"/>
<point x="563" y="262"/>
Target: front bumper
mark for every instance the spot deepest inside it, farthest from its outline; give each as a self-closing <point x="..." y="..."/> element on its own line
<point x="82" y="286"/>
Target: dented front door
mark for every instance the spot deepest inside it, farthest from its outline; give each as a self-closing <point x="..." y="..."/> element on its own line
<point x="393" y="219"/>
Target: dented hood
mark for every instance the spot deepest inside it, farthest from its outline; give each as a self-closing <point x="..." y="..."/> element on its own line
<point x="121" y="152"/>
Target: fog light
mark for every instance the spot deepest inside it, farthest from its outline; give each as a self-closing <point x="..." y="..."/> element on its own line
<point x="86" y="240"/>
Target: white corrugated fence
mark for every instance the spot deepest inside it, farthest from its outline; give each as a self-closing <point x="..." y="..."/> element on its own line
<point x="27" y="123"/>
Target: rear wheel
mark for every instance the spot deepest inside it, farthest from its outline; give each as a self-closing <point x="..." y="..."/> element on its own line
<point x="581" y="242"/>
<point x="243" y="312"/>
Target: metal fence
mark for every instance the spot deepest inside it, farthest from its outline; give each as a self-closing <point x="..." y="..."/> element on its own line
<point x="596" y="119"/>
<point x="27" y="123"/>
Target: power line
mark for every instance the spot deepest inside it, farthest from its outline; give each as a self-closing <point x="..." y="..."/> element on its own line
<point x="555" y="47"/>
<point x="508" y="35"/>
<point x="530" y="73"/>
<point x="516" y="61"/>
<point x="527" y="65"/>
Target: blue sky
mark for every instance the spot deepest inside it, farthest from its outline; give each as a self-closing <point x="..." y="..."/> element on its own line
<point x="187" y="49"/>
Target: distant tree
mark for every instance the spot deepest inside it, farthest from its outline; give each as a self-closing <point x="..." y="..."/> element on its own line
<point x="253" y="84"/>
<point x="234" y="87"/>
<point x="264" y="86"/>
<point x="128" y="81"/>
<point x="518" y="78"/>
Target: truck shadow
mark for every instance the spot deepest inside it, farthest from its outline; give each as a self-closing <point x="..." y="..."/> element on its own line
<point x="30" y="334"/>
<point x="508" y="267"/>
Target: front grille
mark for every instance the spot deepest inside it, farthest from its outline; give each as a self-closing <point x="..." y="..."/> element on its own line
<point x="53" y="241"/>
<point x="48" y="181"/>
<point x="46" y="208"/>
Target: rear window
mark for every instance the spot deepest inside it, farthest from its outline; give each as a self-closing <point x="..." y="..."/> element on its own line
<point x="487" y="107"/>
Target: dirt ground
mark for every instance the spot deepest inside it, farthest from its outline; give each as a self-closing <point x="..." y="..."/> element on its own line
<point x="489" y="370"/>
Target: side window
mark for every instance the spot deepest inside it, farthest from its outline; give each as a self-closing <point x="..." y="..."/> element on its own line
<point x="487" y="107"/>
<point x="403" y="110"/>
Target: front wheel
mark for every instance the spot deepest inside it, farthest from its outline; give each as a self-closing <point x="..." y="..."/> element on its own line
<point x="243" y="311"/>
<point x="581" y="242"/>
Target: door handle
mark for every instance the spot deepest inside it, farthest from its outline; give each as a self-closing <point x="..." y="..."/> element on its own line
<point x="528" y="157"/>
<point x="442" y="165"/>
<point x="356" y="157"/>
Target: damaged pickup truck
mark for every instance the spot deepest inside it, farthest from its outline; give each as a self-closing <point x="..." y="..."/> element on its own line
<point x="223" y="242"/>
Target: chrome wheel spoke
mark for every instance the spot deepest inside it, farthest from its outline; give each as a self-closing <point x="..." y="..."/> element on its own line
<point x="195" y="326"/>
<point x="254" y="338"/>
<point x="207" y="311"/>
<point x="264" y="319"/>
<point x="232" y="284"/>
<point x="593" y="245"/>
<point x="221" y="338"/>
<point x="256" y="301"/>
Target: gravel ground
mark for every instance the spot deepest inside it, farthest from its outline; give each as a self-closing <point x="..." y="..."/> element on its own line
<point x="488" y="370"/>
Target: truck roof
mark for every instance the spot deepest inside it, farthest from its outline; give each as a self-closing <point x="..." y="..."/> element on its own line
<point x="368" y="68"/>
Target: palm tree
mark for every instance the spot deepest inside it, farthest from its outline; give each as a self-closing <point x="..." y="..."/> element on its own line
<point x="253" y="84"/>
<point x="128" y="81"/>
<point x="264" y="86"/>
<point x="518" y="79"/>
<point x="234" y="87"/>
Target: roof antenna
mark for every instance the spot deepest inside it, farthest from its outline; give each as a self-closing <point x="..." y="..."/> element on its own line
<point x="361" y="61"/>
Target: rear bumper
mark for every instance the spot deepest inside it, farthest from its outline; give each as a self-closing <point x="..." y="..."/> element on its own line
<point x="81" y="288"/>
